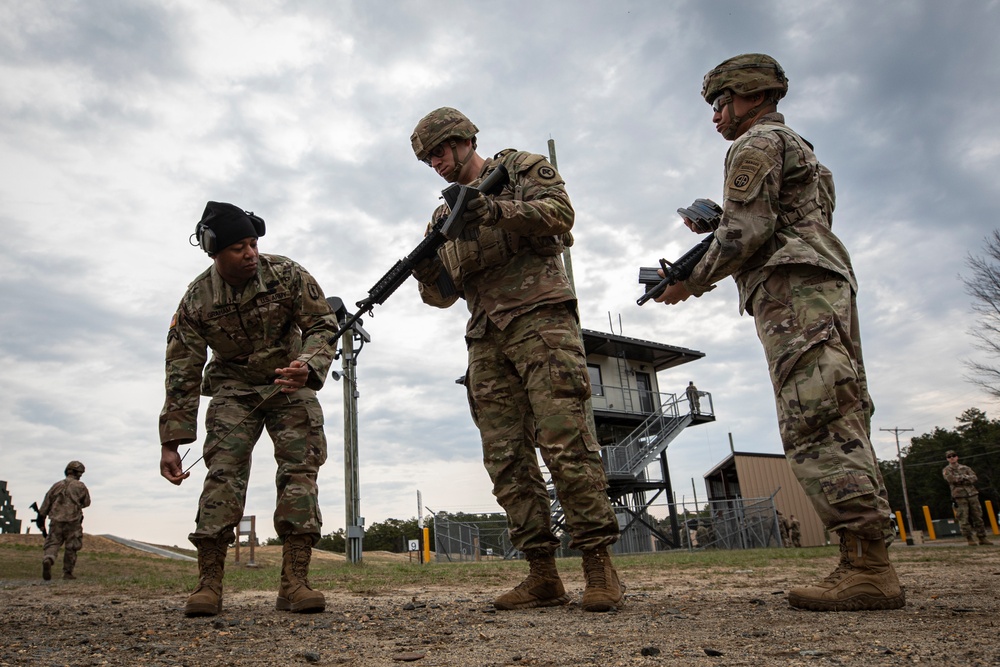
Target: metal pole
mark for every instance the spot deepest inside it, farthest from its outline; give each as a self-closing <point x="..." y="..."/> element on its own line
<point x="352" y="496"/>
<point x="568" y="265"/>
<point x="566" y="257"/>
<point x="902" y="479"/>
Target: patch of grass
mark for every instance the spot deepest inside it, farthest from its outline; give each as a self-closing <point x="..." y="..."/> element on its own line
<point x="144" y="575"/>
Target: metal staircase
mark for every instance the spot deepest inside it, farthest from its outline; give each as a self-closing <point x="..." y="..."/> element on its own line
<point x="626" y="461"/>
<point x="629" y="458"/>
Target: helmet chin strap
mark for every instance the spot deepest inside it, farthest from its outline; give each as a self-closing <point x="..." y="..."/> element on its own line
<point x="732" y="130"/>
<point x="459" y="164"/>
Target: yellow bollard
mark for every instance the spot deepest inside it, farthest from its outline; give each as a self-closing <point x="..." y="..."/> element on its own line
<point x="427" y="544"/>
<point x="930" y="524"/>
<point x="993" y="517"/>
<point x="899" y="524"/>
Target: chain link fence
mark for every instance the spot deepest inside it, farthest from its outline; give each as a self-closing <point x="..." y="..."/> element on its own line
<point x="742" y="523"/>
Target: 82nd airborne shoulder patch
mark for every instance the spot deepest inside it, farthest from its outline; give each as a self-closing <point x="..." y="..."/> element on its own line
<point x="747" y="175"/>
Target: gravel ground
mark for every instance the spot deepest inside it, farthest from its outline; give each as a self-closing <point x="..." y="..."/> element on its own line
<point x="709" y="617"/>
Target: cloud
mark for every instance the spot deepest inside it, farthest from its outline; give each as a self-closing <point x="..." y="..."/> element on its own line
<point x="119" y="121"/>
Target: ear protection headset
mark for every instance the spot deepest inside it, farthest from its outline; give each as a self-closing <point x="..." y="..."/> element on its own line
<point x="208" y="240"/>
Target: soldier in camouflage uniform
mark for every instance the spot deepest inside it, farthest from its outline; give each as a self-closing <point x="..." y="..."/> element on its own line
<point x="795" y="277"/>
<point x="63" y="505"/>
<point x="267" y="324"/>
<point x="527" y="378"/>
<point x="783" y="529"/>
<point x="965" y="497"/>
<point x="794" y="531"/>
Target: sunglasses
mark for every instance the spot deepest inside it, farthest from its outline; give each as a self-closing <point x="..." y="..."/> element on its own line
<point x="721" y="101"/>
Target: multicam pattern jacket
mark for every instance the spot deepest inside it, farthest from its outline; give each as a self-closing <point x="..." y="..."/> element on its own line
<point x="513" y="266"/>
<point x="65" y="500"/>
<point x="273" y="320"/>
<point x="962" y="480"/>
<point x="778" y="210"/>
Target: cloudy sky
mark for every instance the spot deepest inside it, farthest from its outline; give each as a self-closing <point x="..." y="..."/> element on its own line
<point x="119" y="120"/>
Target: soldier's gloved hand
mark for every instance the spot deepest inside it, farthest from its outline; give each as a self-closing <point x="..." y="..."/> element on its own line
<point x="427" y="270"/>
<point x="481" y="210"/>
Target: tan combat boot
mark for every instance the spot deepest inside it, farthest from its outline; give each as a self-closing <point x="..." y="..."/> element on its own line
<point x="47" y="567"/>
<point x="206" y="600"/>
<point x="603" y="591"/>
<point x="541" y="588"/>
<point x="295" y="595"/>
<point x="971" y="540"/>
<point x="863" y="580"/>
<point x="983" y="540"/>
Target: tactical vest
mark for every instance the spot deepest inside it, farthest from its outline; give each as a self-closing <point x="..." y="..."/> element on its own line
<point x="490" y="246"/>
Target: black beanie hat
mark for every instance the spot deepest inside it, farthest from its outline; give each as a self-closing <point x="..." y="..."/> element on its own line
<point x="228" y="224"/>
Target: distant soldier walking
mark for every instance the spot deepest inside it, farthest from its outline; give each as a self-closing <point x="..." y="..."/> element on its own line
<point x="965" y="498"/>
<point x="63" y="505"/>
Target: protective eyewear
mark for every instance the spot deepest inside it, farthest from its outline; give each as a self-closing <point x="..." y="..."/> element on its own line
<point x="721" y="101"/>
<point x="437" y="151"/>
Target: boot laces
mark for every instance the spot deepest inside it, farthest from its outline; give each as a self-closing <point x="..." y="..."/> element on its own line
<point x="211" y="562"/>
<point x="300" y="556"/>
<point x="596" y="572"/>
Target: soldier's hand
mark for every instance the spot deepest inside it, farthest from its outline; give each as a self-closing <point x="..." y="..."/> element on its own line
<point x="673" y="293"/>
<point x="427" y="270"/>
<point x="482" y="210"/>
<point x="170" y="465"/>
<point x="292" y="378"/>
<point x="696" y="227"/>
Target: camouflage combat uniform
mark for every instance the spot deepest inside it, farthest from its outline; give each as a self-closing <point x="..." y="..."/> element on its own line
<point x="527" y="378"/>
<point x="795" y="277"/>
<point x="63" y="505"/>
<point x="276" y="318"/>
<point x="965" y="496"/>
<point x="795" y="532"/>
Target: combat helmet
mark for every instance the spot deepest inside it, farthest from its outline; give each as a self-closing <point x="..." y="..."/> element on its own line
<point x="438" y="125"/>
<point x="745" y="75"/>
<point x="75" y="466"/>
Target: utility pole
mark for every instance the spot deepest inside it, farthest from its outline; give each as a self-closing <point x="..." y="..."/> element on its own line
<point x="902" y="479"/>
<point x="566" y="257"/>
<point x="568" y="265"/>
<point x="355" y="523"/>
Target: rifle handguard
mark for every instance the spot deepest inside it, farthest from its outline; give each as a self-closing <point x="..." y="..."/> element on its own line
<point x="457" y="197"/>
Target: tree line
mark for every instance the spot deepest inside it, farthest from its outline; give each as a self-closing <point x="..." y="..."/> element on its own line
<point x="976" y="440"/>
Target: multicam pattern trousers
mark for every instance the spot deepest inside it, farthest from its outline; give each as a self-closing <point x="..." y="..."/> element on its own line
<point x="68" y="534"/>
<point x="528" y="387"/>
<point x="970" y="516"/>
<point x="807" y="321"/>
<point x="295" y="424"/>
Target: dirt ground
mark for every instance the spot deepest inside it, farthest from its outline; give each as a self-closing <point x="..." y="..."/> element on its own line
<point x="711" y="616"/>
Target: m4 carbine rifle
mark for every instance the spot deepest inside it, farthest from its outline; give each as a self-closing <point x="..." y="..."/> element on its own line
<point x="39" y="519"/>
<point x="458" y="198"/>
<point x="450" y="227"/>
<point x="704" y="215"/>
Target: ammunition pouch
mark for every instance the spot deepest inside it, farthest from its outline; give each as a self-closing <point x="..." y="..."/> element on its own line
<point x="490" y="246"/>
